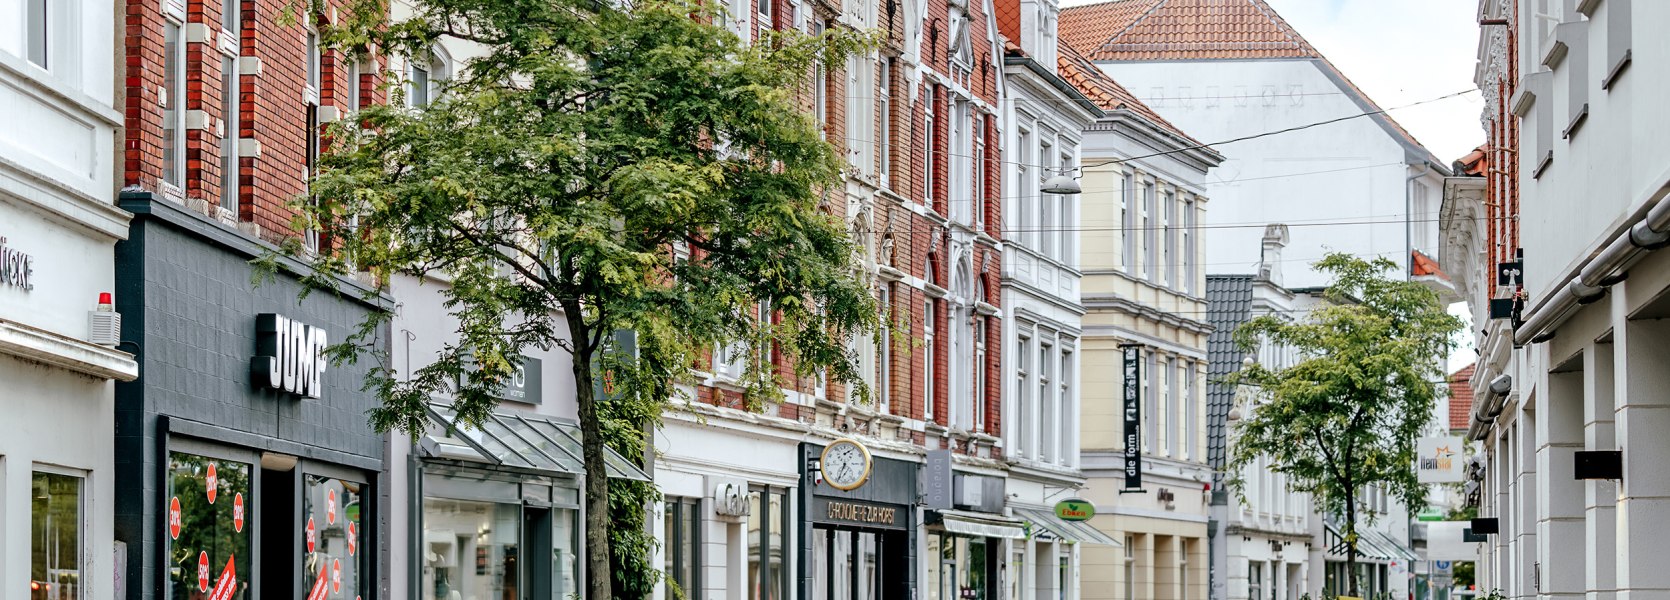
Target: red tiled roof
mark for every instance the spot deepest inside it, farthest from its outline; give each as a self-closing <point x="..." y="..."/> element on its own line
<point x="1424" y="266"/>
<point x="1008" y="18"/>
<point x="1474" y="163"/>
<point x="1132" y="30"/>
<point x="1461" y="397"/>
<point x="1101" y="89"/>
<point x="1151" y="30"/>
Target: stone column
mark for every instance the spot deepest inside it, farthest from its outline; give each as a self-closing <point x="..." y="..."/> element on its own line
<point x="1600" y="497"/>
<point x="1643" y="418"/>
<point x="1524" y="496"/>
<point x="1560" y="506"/>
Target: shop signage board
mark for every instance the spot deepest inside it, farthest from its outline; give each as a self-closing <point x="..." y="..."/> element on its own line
<point x="730" y="497"/>
<point x="289" y="356"/>
<point x="1132" y="412"/>
<point x="1439" y="459"/>
<point x="937" y="479"/>
<point x="17" y="269"/>
<point x="1075" y="509"/>
<point x="865" y="514"/>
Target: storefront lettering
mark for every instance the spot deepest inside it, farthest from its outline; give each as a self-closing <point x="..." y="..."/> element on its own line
<point x="16" y="268"/>
<point x="861" y="513"/>
<point x="290" y="355"/>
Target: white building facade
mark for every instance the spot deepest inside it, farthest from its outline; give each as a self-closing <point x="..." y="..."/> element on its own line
<point x="58" y="228"/>
<point x="1577" y="363"/>
<point x="1044" y="121"/>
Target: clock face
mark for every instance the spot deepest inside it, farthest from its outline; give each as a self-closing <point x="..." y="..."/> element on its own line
<point x="846" y="464"/>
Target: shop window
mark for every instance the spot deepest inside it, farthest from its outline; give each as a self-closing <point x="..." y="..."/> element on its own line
<point x="768" y="526"/>
<point x="1255" y="582"/>
<point x="682" y="542"/>
<point x="56" y="537"/>
<point x="958" y="568"/>
<point x="334" y="530"/>
<point x="208" y="503"/>
<point x="471" y="549"/>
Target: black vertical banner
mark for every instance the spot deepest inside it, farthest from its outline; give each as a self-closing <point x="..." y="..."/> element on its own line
<point x="1133" y="412"/>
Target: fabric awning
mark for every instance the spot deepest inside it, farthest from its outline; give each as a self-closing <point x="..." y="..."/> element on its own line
<point x="1372" y="544"/>
<point x="981" y="524"/>
<point x="1046" y="525"/>
<point x="516" y="440"/>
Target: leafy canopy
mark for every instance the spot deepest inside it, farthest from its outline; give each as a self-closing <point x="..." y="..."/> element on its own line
<point x="594" y="168"/>
<point x="1348" y="412"/>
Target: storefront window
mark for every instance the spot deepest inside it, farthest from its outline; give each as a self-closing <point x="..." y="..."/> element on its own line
<point x="767" y="525"/>
<point x="566" y="540"/>
<point x="682" y="544"/>
<point x="55" y="559"/>
<point x="960" y="569"/>
<point x="470" y="550"/>
<point x="334" y="534"/>
<point x="209" y="539"/>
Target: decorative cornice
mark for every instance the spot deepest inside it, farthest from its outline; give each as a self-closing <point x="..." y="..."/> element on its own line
<point x="61" y="351"/>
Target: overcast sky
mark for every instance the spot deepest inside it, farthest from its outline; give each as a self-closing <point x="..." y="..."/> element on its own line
<point x="1401" y="52"/>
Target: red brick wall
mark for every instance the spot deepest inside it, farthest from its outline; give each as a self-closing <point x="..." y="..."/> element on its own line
<point x="272" y="106"/>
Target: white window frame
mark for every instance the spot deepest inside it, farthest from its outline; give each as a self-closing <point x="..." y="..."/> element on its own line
<point x="1191" y="237"/>
<point x="1172" y="428"/>
<point x="978" y="157"/>
<point x="315" y="63"/>
<point x="1025" y="438"/>
<point x="1150" y="248"/>
<point x="928" y="314"/>
<point x="231" y="82"/>
<point x="884" y="108"/>
<point x="884" y="352"/>
<point x="1048" y="228"/>
<point x="928" y="148"/>
<point x="1048" y="422"/>
<point x="1127" y="219"/>
<point x="1168" y="199"/>
<point x="1066" y="217"/>
<point x="38" y="35"/>
<point x="959" y="198"/>
<point x="174" y="178"/>
<point x="978" y="398"/>
<point x="1068" y="413"/>
<point x="1028" y="217"/>
<point x="820" y="84"/>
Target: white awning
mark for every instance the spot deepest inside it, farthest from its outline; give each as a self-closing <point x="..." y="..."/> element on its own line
<point x="981" y="524"/>
<point x="1046" y="525"/>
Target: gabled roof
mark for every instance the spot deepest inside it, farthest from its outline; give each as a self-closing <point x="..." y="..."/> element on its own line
<point x="1132" y="30"/>
<point x="1158" y="30"/>
<point x="1107" y="93"/>
<point x="1461" y="397"/>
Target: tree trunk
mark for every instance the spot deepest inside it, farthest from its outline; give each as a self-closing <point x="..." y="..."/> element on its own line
<point x="1351" y="540"/>
<point x="599" y="580"/>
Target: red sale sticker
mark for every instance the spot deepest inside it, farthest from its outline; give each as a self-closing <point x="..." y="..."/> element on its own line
<point x="174" y="518"/>
<point x="336" y="576"/>
<point x="238" y="512"/>
<point x="212" y="482"/>
<point x="330" y="507"/>
<point x="353" y="538"/>
<point x="310" y="534"/>
<point x="226" y="584"/>
<point x="318" y="592"/>
<point x="203" y="571"/>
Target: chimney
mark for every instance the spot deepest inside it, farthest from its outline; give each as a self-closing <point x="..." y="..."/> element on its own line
<point x="1269" y="255"/>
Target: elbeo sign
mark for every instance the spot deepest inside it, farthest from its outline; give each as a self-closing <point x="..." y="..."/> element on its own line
<point x="289" y="355"/>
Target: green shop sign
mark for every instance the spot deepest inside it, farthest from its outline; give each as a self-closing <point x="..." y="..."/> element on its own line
<point x="1074" y="509"/>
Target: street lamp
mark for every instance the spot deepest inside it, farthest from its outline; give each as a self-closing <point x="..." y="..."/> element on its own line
<point x="1062" y="183"/>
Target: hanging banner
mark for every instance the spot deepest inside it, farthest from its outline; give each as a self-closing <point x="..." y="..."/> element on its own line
<point x="1133" y="412"/>
<point x="1438" y="459"/>
<point x="319" y="585"/>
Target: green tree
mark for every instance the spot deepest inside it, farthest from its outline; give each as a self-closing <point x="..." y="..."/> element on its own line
<point x="1347" y="414"/>
<point x="599" y="167"/>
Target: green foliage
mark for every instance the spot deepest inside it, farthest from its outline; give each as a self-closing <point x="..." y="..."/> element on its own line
<point x="594" y="168"/>
<point x="1348" y="413"/>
